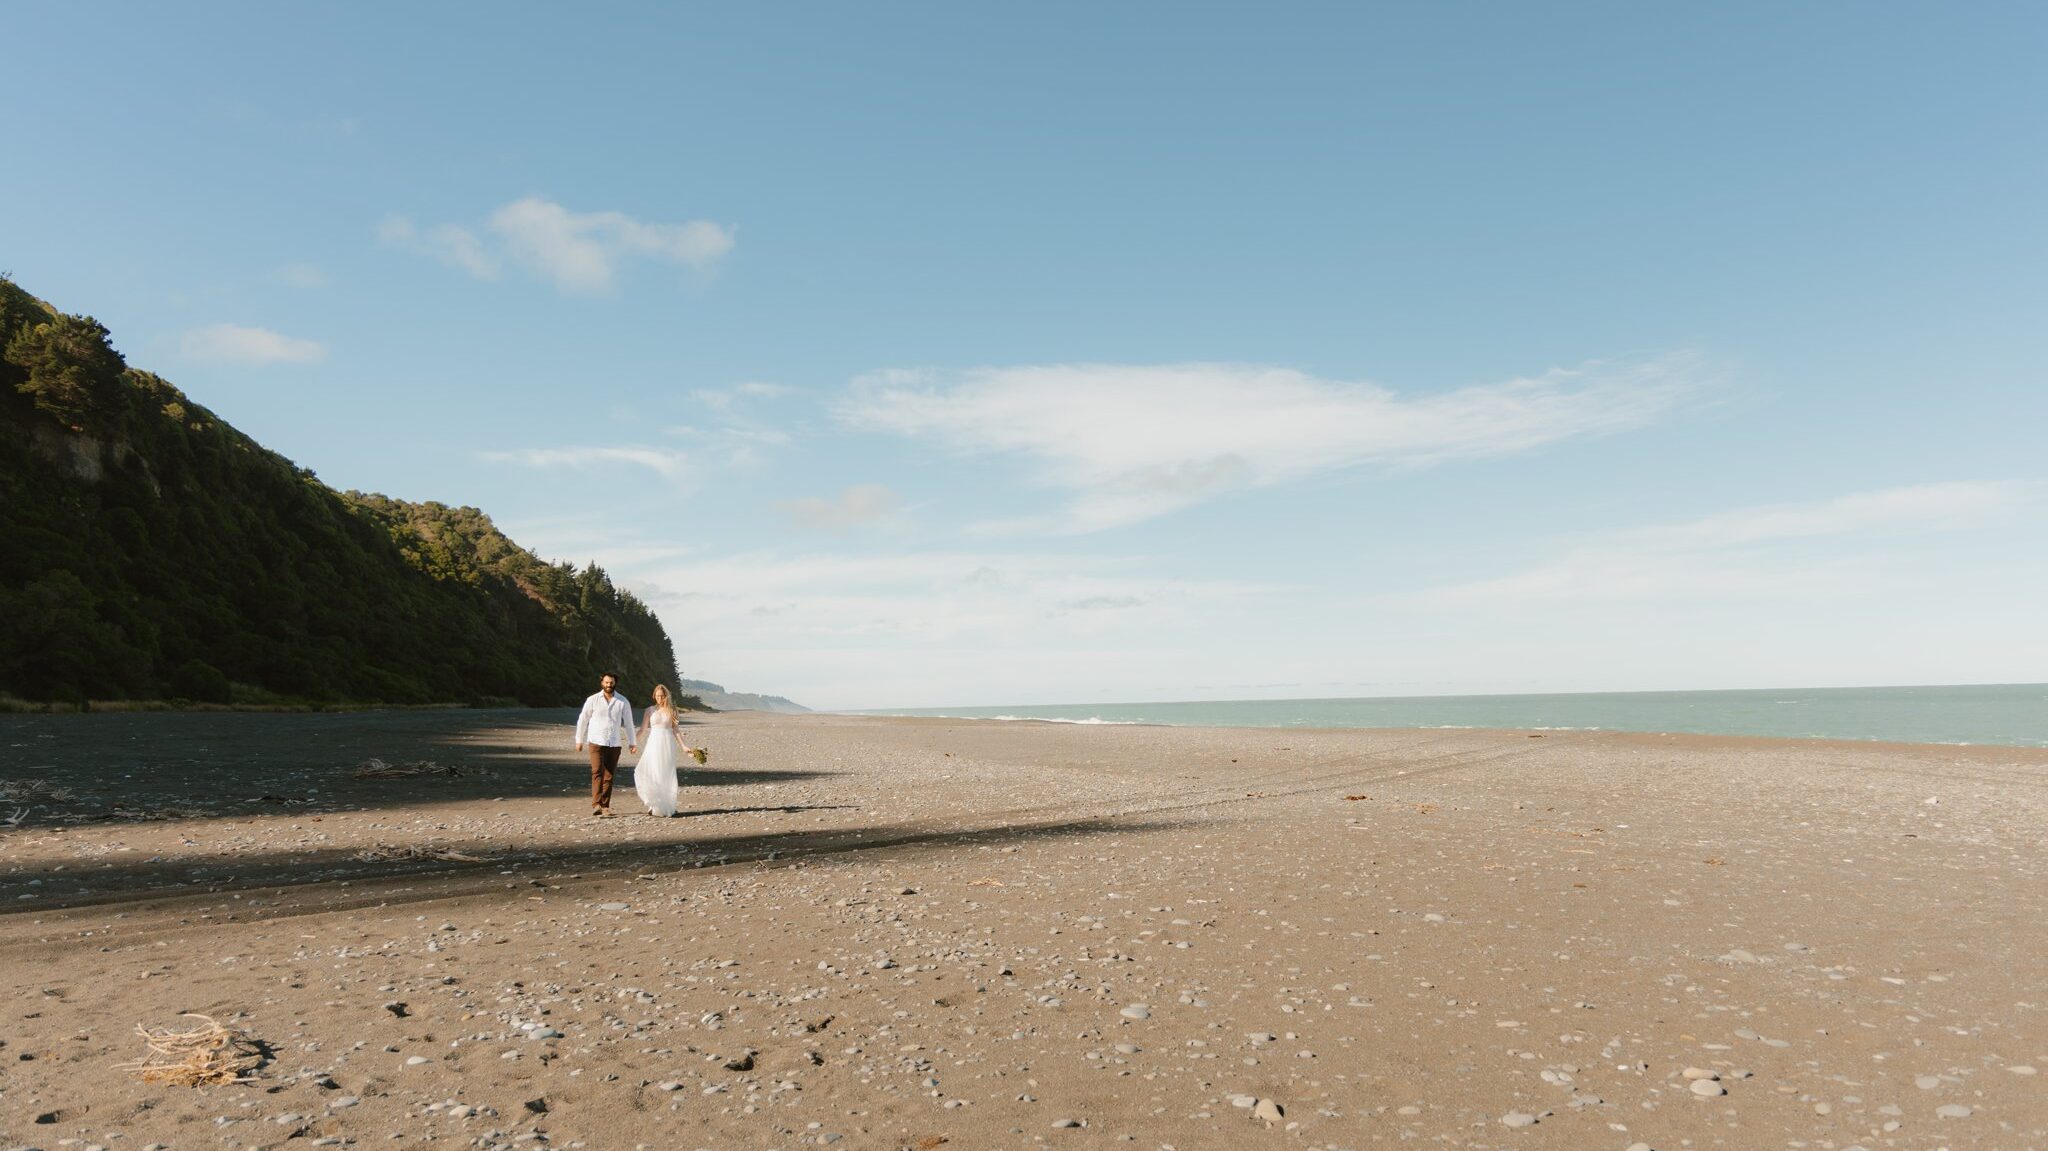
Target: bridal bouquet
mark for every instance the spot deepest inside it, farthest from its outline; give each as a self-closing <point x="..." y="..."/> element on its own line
<point x="700" y="755"/>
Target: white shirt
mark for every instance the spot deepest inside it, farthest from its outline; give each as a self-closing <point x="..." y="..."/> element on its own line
<point x="607" y="722"/>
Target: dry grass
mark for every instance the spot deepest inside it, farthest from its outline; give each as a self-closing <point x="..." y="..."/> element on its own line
<point x="378" y="769"/>
<point x="206" y="1054"/>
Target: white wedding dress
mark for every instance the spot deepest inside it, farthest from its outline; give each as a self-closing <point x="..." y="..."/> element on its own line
<point x="654" y="777"/>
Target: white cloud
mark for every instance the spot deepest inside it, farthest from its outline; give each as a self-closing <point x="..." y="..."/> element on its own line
<point x="1132" y="442"/>
<point x="576" y="251"/>
<point x="580" y="251"/>
<point x="859" y="506"/>
<point x="586" y="458"/>
<point x="452" y="244"/>
<point x="237" y="344"/>
<point x="1754" y="551"/>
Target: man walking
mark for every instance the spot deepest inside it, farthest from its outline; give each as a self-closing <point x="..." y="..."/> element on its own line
<point x="606" y="722"/>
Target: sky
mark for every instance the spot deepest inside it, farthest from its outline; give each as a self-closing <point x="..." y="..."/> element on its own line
<point x="919" y="355"/>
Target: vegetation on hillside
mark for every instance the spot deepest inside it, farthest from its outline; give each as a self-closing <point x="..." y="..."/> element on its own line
<point x="154" y="552"/>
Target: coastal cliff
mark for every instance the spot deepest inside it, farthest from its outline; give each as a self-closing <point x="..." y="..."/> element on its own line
<point x="154" y="552"/>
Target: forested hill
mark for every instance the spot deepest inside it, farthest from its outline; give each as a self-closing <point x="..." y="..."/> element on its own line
<point x="150" y="551"/>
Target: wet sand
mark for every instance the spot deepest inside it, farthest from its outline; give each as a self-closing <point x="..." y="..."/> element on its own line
<point x="890" y="933"/>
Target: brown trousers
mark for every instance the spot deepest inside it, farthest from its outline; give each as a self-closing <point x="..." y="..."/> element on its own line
<point x="604" y="761"/>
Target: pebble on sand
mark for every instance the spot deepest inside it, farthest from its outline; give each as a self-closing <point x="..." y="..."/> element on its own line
<point x="1708" y="1088"/>
<point x="1136" y="1011"/>
<point x="1518" y="1119"/>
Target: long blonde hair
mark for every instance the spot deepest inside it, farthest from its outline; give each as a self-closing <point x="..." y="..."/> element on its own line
<point x="664" y="701"/>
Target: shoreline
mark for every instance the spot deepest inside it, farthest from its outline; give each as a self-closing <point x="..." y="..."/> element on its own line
<point x="1527" y="732"/>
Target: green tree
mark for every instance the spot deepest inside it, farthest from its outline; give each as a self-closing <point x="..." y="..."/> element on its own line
<point x="72" y="371"/>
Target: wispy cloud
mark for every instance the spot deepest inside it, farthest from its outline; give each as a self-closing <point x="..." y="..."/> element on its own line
<point x="588" y="458"/>
<point x="1133" y="442"/>
<point x="724" y="399"/>
<point x="452" y="244"/>
<point x="576" y="251"/>
<point x="238" y="344"/>
<point x="862" y="505"/>
<point x="729" y="430"/>
<point x="1754" y="551"/>
<point x="918" y="598"/>
<point x="302" y="276"/>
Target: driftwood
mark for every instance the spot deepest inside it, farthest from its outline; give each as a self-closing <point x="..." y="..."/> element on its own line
<point x="204" y="1055"/>
<point x="32" y="791"/>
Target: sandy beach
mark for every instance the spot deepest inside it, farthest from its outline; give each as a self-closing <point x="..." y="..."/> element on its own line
<point x="888" y="933"/>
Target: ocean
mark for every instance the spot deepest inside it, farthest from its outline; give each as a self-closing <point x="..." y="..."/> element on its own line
<point x="2014" y="715"/>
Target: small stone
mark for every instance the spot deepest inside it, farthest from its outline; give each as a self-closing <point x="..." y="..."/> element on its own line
<point x="1136" y="1011"/>
<point x="1245" y="1101"/>
<point x="343" y="1102"/>
<point x="1128" y="1049"/>
<point x="1708" y="1088"/>
<point x="1823" y="1109"/>
<point x="2020" y="1069"/>
<point x="544" y="1033"/>
<point x="416" y="1060"/>
<point x="1700" y="1073"/>
<point x="1952" y="1111"/>
<point x="1063" y="1124"/>
<point x="1268" y="1110"/>
<point x="1927" y="1082"/>
<point x="613" y="906"/>
<point x="1518" y="1119"/>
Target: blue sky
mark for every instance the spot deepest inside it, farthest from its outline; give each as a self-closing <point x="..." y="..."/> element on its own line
<point x="914" y="355"/>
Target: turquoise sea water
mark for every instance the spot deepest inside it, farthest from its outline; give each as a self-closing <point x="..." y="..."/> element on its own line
<point x="2007" y="714"/>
